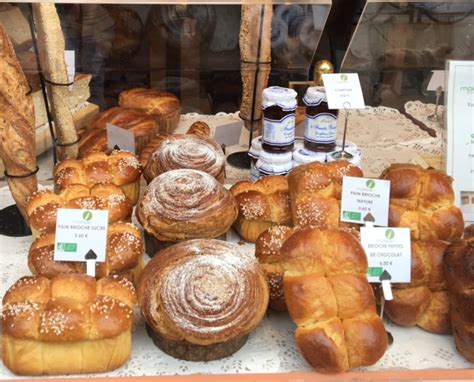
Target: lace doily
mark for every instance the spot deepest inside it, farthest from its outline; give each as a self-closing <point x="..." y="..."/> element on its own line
<point x="420" y="111"/>
<point x="270" y="348"/>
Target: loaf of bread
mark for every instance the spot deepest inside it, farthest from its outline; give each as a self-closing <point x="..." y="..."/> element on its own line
<point x="186" y="151"/>
<point x="201" y="298"/>
<point x="459" y="270"/>
<point x="70" y="324"/>
<point x="120" y="168"/>
<point x="43" y="205"/>
<point x="164" y="107"/>
<point x="137" y="121"/>
<point x="262" y="205"/>
<point x="423" y="200"/>
<point x="185" y="204"/>
<point x="315" y="193"/>
<point x="124" y="255"/>
<point x="328" y="296"/>
<point x="200" y="128"/>
<point x="424" y="301"/>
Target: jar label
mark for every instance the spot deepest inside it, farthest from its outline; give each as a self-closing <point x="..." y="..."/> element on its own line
<point x="321" y="128"/>
<point x="279" y="133"/>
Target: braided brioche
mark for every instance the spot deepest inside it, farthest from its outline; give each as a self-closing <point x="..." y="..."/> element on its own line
<point x="262" y="205"/>
<point x="327" y="294"/>
<point x="424" y="301"/>
<point x="423" y="200"/>
<point x="69" y="324"/>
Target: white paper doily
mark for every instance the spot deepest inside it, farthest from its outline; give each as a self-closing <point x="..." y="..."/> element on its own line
<point x="270" y="348"/>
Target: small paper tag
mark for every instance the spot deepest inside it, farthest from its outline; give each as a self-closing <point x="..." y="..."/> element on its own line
<point x="81" y="235"/>
<point x="437" y="80"/>
<point x="70" y="59"/>
<point x="365" y="200"/>
<point x="343" y="91"/>
<point x="388" y="253"/>
<point x="120" y="138"/>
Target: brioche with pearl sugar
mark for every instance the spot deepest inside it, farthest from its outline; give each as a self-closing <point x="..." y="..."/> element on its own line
<point x="423" y="200"/>
<point x="262" y="205"/>
<point x="71" y="324"/>
<point x="201" y="298"/>
<point x="124" y="255"/>
<point x="424" y="300"/>
<point x="315" y="193"/>
<point x="327" y="294"/>
<point x="184" y="204"/>
<point x="43" y="205"/>
<point x="186" y="151"/>
<point x="120" y="168"/>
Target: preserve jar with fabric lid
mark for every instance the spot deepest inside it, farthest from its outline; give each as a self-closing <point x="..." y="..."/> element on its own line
<point x="254" y="154"/>
<point x="274" y="164"/>
<point x="320" y="122"/>
<point x="303" y="156"/>
<point x="279" y="115"/>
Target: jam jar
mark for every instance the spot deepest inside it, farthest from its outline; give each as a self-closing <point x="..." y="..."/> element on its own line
<point x="279" y="115"/>
<point x="320" y="121"/>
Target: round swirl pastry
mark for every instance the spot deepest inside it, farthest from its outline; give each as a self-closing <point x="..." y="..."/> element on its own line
<point x="186" y="151"/>
<point x="186" y="204"/>
<point x="201" y="298"/>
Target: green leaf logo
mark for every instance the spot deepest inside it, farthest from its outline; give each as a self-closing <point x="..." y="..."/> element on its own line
<point x="344" y="77"/>
<point x="389" y="234"/>
<point x="87" y="215"/>
<point x="370" y="184"/>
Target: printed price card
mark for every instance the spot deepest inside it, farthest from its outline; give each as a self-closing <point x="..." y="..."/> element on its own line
<point x="388" y="252"/>
<point x="120" y="139"/>
<point x="365" y="200"/>
<point x="81" y="235"/>
<point x="343" y="91"/>
<point x="70" y="60"/>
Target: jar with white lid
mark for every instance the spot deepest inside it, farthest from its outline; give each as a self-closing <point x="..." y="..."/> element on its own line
<point x="274" y="164"/>
<point x="303" y="156"/>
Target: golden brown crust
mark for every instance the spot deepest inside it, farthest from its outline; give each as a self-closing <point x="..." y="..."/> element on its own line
<point x="199" y="287"/>
<point x="151" y="147"/>
<point x="123" y="255"/>
<point x="153" y="102"/>
<point x="43" y="205"/>
<point x="327" y="295"/>
<point x="315" y="192"/>
<point x="186" y="204"/>
<point x="262" y="205"/>
<point x="186" y="151"/>
<point x="423" y="200"/>
<point x="200" y="128"/>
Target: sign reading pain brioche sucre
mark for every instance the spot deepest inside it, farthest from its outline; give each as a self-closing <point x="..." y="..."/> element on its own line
<point x="81" y="235"/>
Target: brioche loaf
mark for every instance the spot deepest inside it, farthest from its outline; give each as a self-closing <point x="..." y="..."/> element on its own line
<point x="424" y="301"/>
<point x="120" y="168"/>
<point x="262" y="205"/>
<point x="43" y="205"/>
<point x="327" y="294"/>
<point x="423" y="200"/>
<point x="70" y="324"/>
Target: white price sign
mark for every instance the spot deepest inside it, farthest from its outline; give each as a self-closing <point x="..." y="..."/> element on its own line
<point x="365" y="200"/>
<point x="388" y="253"/>
<point x="437" y="80"/>
<point x="343" y="91"/>
<point x="70" y="60"/>
<point x="120" y="139"/>
<point x="81" y="235"/>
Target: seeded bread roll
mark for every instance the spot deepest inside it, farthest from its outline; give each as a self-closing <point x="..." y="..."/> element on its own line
<point x="70" y="324"/>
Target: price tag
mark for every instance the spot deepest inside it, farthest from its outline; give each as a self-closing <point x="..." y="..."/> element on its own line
<point x="437" y="80"/>
<point x="70" y="59"/>
<point x="120" y="139"/>
<point x="343" y="91"/>
<point x="388" y="253"/>
<point x="81" y="235"/>
<point x="365" y="200"/>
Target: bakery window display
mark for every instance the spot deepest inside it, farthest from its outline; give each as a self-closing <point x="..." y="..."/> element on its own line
<point x="201" y="298"/>
<point x="137" y="121"/>
<point x="164" y="107"/>
<point x="325" y="288"/>
<point x="262" y="205"/>
<point x="124" y="255"/>
<point x="120" y="168"/>
<point x="423" y="200"/>
<point x="184" y="204"/>
<point x="43" y="205"/>
<point x="186" y="151"/>
<point x="71" y="324"/>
